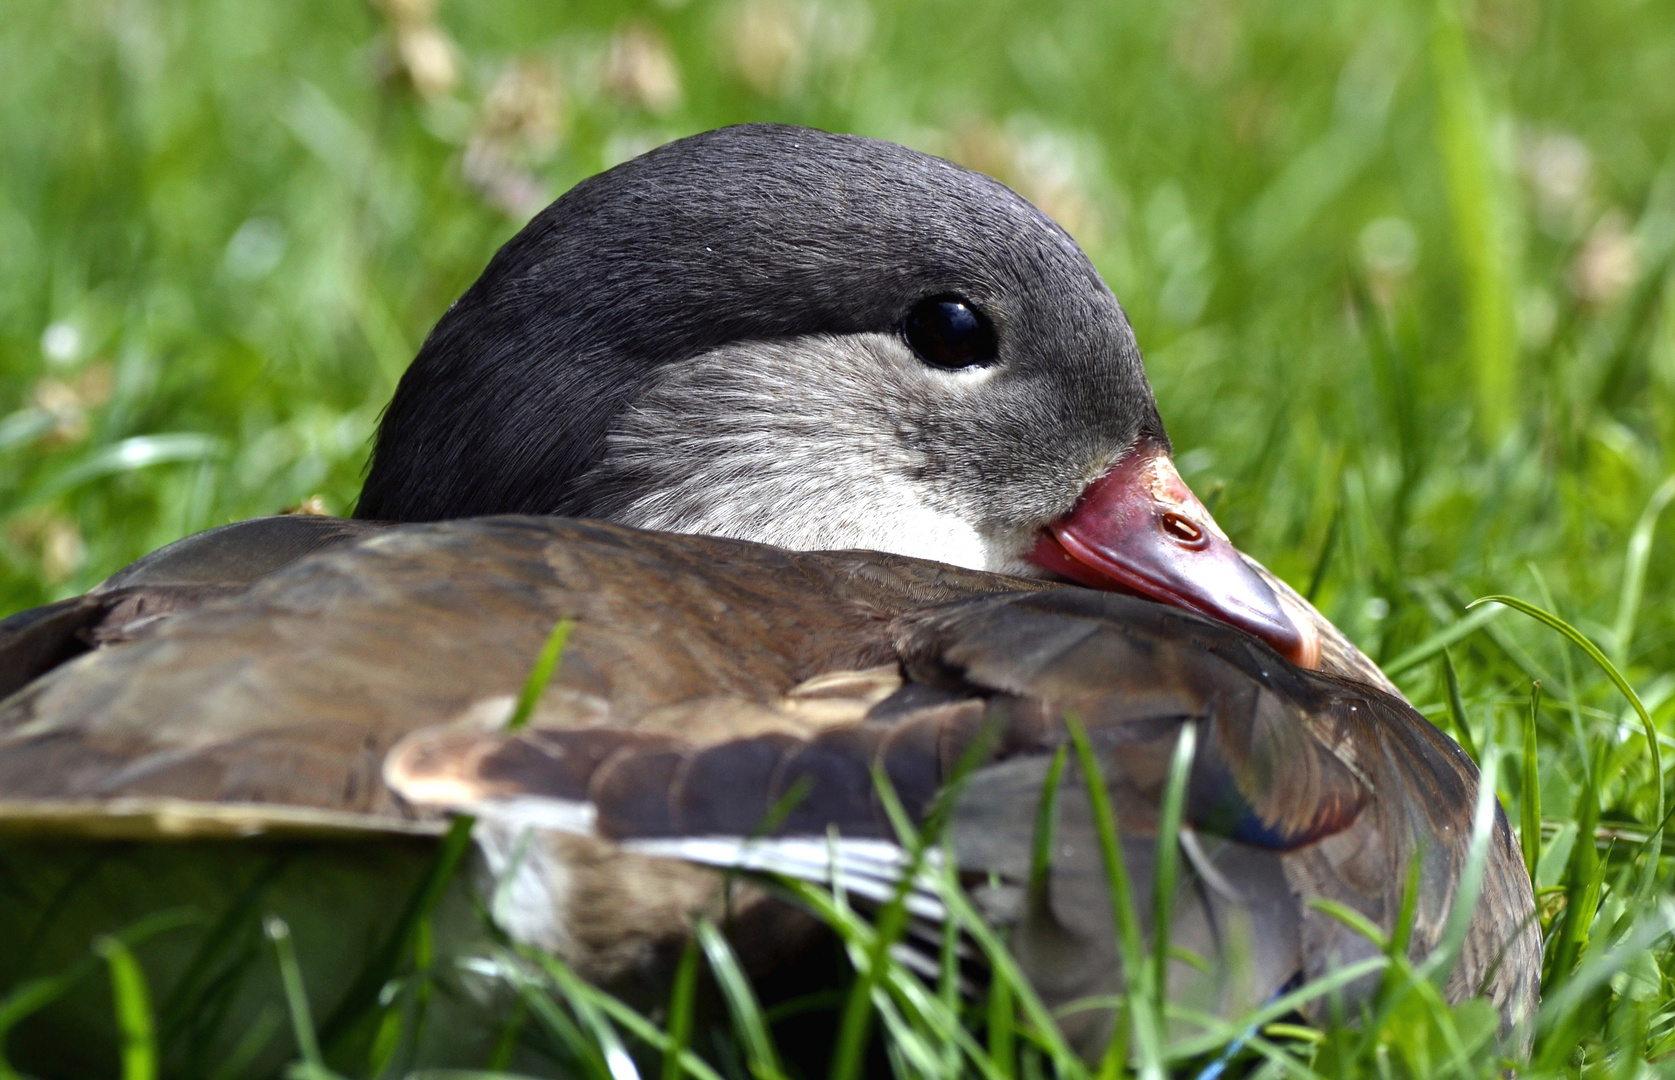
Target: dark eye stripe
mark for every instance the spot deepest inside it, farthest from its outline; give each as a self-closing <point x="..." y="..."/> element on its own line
<point x="951" y="333"/>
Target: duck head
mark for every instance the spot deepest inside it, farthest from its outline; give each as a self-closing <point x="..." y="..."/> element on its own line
<point x="814" y="341"/>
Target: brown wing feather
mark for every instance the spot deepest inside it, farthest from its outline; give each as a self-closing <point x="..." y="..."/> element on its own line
<point x="1345" y="784"/>
<point x="184" y="575"/>
<point x="417" y="625"/>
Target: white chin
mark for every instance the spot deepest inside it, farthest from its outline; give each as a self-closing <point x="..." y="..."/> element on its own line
<point x="888" y="523"/>
<point x="924" y="533"/>
<point x="917" y="531"/>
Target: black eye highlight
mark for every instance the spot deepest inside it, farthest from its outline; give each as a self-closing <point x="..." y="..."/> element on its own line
<point x="951" y="333"/>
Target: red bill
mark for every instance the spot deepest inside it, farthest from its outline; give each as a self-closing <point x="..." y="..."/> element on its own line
<point x="1140" y="529"/>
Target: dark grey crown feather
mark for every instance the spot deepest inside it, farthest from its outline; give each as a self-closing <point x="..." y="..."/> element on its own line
<point x="748" y="232"/>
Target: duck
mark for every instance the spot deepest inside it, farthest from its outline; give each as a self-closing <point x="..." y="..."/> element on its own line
<point x="836" y="460"/>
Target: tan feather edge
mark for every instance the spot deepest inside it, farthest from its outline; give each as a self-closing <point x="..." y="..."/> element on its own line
<point x="184" y="819"/>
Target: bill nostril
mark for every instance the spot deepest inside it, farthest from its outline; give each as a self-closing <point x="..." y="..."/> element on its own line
<point x="1182" y="530"/>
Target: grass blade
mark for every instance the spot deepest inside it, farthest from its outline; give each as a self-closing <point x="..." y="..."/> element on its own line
<point x="1002" y="1016"/>
<point x="1354" y="920"/>
<point x="1558" y="1006"/>
<point x="464" y="1074"/>
<point x="583" y="1002"/>
<point x="1439" y="642"/>
<point x="1457" y="709"/>
<point x="1582" y="884"/>
<point x="1323" y="561"/>
<point x="855" y="1027"/>
<point x="748" y="1021"/>
<point x="681" y="996"/>
<point x="250" y="1044"/>
<point x="1045" y="1028"/>
<point x="313" y="1065"/>
<point x="1565" y="661"/>
<point x="1046" y="823"/>
<point x="534" y="992"/>
<point x="1401" y="935"/>
<point x="648" y="1032"/>
<point x="1470" y="883"/>
<point x="133" y="1009"/>
<point x="1634" y="571"/>
<point x="1002" y="1012"/>
<point x="139" y="452"/>
<point x="200" y="988"/>
<point x="30" y="996"/>
<point x="1475" y="205"/>
<point x="1134" y="963"/>
<point x="1529" y="807"/>
<point x="363" y="994"/>
<point x="948" y="989"/>
<point x="24" y="426"/>
<point x="1167" y="861"/>
<point x="546" y="662"/>
<point x="1219" y="1032"/>
<point x="904" y="986"/>
<point x="1582" y="642"/>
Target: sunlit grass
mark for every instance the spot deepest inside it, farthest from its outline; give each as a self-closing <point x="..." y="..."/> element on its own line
<point x="1402" y="272"/>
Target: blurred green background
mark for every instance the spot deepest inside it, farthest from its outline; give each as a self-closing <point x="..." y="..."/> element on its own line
<point x="1401" y="270"/>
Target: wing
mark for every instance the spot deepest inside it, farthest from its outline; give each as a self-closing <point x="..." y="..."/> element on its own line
<point x="1303" y="788"/>
<point x="290" y="691"/>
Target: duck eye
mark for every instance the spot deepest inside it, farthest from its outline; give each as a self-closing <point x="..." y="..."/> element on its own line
<point x="948" y="332"/>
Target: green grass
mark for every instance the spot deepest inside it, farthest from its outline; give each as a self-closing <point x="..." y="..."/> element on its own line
<point x="1402" y="272"/>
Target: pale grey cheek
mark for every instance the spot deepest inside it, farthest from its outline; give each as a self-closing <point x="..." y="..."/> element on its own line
<point x="812" y="443"/>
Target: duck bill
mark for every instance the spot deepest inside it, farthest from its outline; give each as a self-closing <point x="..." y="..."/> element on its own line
<point x="1140" y="529"/>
